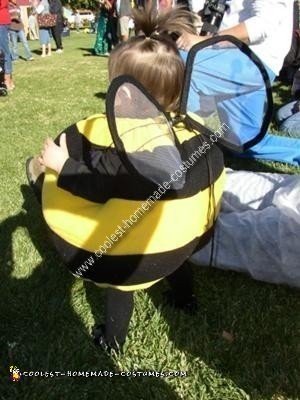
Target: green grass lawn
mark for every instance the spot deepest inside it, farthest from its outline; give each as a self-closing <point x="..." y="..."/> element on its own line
<point x="46" y="314"/>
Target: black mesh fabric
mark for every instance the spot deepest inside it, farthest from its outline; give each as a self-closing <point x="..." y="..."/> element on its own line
<point x="146" y="136"/>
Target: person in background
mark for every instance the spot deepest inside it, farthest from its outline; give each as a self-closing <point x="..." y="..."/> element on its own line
<point x="4" y="44"/>
<point x="164" y="5"/>
<point x="45" y="41"/>
<point x="16" y="32"/>
<point x="56" y="8"/>
<point x="258" y="228"/>
<point x="288" y="118"/>
<point x="124" y="10"/>
<point x="77" y="21"/>
<point x="33" y="27"/>
<point x="113" y="24"/>
<point x="103" y="39"/>
<point x="270" y="39"/>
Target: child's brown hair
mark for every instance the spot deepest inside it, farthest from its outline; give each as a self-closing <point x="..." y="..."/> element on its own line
<point x="152" y="57"/>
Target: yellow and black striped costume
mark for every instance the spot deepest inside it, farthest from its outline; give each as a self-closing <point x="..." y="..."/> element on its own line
<point x="94" y="193"/>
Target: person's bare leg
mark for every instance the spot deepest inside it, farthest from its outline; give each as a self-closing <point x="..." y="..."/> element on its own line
<point x="43" y="50"/>
<point x="8" y="82"/>
<point x="49" y="49"/>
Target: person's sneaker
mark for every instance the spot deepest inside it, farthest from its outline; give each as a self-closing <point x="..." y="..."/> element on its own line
<point x="59" y="51"/>
<point x="3" y="90"/>
<point x="30" y="59"/>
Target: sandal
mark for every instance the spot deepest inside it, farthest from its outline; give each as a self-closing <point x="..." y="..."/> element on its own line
<point x="35" y="176"/>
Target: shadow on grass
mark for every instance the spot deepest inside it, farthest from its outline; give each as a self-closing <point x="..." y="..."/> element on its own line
<point x="245" y="332"/>
<point x="254" y="165"/>
<point x="87" y="50"/>
<point x="40" y="329"/>
<point x="101" y="95"/>
<point x="37" y="52"/>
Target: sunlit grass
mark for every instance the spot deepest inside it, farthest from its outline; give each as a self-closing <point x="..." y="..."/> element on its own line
<point x="46" y="314"/>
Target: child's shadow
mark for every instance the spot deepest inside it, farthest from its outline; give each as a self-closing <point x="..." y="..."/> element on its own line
<point x="45" y="320"/>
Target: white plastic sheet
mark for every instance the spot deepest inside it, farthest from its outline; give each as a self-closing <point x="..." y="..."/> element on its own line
<point x="258" y="230"/>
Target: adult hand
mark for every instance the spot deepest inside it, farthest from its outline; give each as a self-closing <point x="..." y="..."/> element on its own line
<point x="53" y="156"/>
<point x="187" y="40"/>
<point x="107" y="5"/>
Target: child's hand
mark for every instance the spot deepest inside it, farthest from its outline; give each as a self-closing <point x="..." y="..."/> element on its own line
<point x="53" y="156"/>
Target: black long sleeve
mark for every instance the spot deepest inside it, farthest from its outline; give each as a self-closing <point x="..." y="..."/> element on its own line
<point x="95" y="184"/>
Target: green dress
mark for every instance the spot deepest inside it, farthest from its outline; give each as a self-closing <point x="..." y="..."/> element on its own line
<point x="102" y="43"/>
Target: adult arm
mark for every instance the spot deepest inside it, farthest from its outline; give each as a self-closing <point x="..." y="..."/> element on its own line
<point x="267" y="15"/>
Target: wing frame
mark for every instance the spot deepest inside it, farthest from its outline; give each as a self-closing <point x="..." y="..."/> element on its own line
<point x="186" y="86"/>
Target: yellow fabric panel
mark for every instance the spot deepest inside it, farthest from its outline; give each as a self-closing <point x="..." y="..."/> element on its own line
<point x="95" y="128"/>
<point x="87" y="225"/>
<point x="129" y="288"/>
<point x="144" y="134"/>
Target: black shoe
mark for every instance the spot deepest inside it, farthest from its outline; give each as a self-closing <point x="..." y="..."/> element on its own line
<point x="3" y="90"/>
<point x="98" y="335"/>
<point x="188" y="305"/>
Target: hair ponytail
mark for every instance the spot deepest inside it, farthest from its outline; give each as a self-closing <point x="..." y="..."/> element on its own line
<point x="149" y="21"/>
<point x="152" y="57"/>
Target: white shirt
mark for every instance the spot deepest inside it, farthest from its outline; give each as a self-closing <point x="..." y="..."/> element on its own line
<point x="269" y="24"/>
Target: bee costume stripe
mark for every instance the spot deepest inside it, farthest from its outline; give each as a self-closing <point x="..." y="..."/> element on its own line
<point x="152" y="247"/>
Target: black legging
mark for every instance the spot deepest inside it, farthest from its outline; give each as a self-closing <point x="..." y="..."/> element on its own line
<point x="119" y="304"/>
<point x="181" y="283"/>
<point x="56" y="33"/>
<point x="118" y="312"/>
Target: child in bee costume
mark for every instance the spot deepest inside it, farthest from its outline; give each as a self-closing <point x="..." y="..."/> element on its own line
<point x="128" y="196"/>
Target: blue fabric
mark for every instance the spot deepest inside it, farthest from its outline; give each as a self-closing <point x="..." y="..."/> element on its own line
<point x="289" y="118"/>
<point x="44" y="35"/>
<point x="276" y="148"/>
<point x="4" y="46"/>
<point x="14" y="35"/>
<point x="230" y="82"/>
